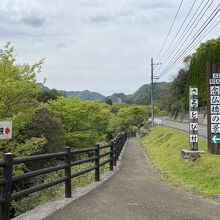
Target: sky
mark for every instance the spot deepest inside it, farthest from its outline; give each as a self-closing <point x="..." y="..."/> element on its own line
<point x="97" y="45"/>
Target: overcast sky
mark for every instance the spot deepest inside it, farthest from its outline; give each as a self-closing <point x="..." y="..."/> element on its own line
<point x="99" y="45"/>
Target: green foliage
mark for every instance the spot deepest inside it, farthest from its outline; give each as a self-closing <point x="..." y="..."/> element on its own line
<point x="207" y="52"/>
<point x="85" y="122"/>
<point x="117" y="106"/>
<point x="124" y="116"/>
<point x="44" y="125"/>
<point x="115" y="124"/>
<point x="194" y="73"/>
<point x="108" y="101"/>
<point x="46" y="95"/>
<point x="18" y="83"/>
<point x="143" y="95"/>
<point x="132" y="115"/>
<point x="17" y="100"/>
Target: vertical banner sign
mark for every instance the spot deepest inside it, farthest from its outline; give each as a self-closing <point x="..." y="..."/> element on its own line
<point x="213" y="109"/>
<point x="193" y="118"/>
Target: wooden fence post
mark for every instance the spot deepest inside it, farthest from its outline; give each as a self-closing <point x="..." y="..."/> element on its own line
<point x="97" y="170"/>
<point x="68" y="190"/>
<point x="6" y="194"/>
<point x="111" y="156"/>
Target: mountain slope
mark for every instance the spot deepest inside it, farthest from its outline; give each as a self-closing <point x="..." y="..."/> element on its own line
<point x="85" y="95"/>
<point x="141" y="97"/>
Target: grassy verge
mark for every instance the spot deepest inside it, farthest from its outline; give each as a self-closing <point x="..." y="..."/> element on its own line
<point x="164" y="145"/>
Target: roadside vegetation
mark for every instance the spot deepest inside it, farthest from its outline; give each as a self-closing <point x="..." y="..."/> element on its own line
<point x="192" y="73"/>
<point x="47" y="121"/>
<point x="202" y="176"/>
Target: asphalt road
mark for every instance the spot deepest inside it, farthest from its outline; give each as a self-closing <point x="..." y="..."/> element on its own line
<point x="202" y="129"/>
<point x="136" y="192"/>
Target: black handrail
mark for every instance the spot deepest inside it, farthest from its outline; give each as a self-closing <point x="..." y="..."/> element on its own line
<point x="66" y="159"/>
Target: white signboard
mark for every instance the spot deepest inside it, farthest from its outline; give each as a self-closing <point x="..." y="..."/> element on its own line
<point x="215" y="100"/>
<point x="194" y="103"/>
<point x="5" y="129"/>
<point x="215" y="128"/>
<point x="214" y="81"/>
<point x="193" y="114"/>
<point x="193" y="91"/>
<point x="215" y="109"/>
<point x="214" y="90"/>
<point x="193" y="138"/>
<point x="194" y="126"/>
<point x="216" y="75"/>
<point x="215" y="119"/>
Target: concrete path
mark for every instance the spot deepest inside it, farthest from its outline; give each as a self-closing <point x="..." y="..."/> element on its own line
<point x="136" y="192"/>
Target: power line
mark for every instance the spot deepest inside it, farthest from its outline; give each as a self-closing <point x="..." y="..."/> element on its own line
<point x="177" y="53"/>
<point x="178" y="31"/>
<point x="189" y="28"/>
<point x="202" y="37"/>
<point x="170" y="29"/>
<point x="202" y="28"/>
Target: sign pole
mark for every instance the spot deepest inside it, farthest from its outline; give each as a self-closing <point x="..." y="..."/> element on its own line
<point x="193" y="118"/>
<point x="213" y="108"/>
<point x="193" y="153"/>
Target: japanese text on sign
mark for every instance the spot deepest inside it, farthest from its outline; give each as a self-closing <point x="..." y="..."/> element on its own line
<point x="194" y="126"/>
<point x="193" y="91"/>
<point x="215" y="90"/>
<point x="215" y="119"/>
<point x="193" y="115"/>
<point x="215" y="103"/>
<point x="193" y="138"/>
<point x="215" y="128"/>
<point x="5" y="129"/>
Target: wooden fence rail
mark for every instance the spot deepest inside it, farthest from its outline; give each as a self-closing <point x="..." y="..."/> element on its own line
<point x="115" y="147"/>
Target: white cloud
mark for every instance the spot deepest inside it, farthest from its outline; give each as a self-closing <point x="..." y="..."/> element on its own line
<point x="100" y="45"/>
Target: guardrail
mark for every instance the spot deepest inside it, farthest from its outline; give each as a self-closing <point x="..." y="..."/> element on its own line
<point x="115" y="147"/>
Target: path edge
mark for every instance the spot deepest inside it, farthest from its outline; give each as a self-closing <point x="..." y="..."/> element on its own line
<point x="44" y="211"/>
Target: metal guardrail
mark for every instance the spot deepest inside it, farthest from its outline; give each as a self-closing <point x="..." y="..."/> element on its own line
<point x="115" y="148"/>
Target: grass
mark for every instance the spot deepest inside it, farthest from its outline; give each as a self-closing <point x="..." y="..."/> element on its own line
<point x="202" y="176"/>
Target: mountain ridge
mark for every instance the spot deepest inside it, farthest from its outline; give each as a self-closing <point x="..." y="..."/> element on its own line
<point x="142" y="96"/>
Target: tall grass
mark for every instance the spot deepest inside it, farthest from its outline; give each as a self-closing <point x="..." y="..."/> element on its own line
<point x="202" y="176"/>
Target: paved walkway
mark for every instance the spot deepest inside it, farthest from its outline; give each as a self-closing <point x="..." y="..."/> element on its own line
<point x="136" y="192"/>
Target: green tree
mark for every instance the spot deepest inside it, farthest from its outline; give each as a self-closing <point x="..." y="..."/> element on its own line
<point x="85" y="122"/>
<point x="132" y="116"/>
<point x="18" y="83"/>
<point x="197" y="75"/>
<point x="44" y="124"/>
<point x="46" y="95"/>
<point x="108" y="101"/>
<point x="18" y="102"/>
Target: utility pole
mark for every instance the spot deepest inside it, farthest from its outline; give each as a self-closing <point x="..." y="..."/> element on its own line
<point x="152" y="88"/>
<point x="152" y="91"/>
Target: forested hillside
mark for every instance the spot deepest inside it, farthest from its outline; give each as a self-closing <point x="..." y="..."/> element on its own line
<point x="143" y="95"/>
<point x="194" y="72"/>
<point x="140" y="97"/>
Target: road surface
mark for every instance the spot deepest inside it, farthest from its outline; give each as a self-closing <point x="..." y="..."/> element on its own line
<point x="136" y="192"/>
<point x="202" y="129"/>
